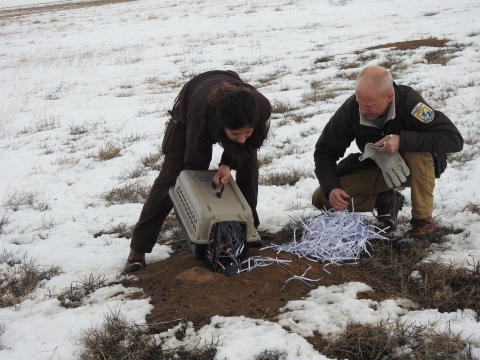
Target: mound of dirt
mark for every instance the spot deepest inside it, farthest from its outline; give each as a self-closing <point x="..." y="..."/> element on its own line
<point x="183" y="288"/>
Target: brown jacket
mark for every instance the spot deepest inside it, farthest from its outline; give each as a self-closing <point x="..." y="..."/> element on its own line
<point x="191" y="101"/>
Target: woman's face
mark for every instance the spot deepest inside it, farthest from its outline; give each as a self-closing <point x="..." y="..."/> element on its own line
<point x="239" y="135"/>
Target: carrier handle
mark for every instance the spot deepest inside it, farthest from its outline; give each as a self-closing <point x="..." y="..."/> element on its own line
<point x="219" y="193"/>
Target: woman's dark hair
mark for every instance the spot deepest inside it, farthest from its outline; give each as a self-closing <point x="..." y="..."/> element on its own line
<point x="230" y="107"/>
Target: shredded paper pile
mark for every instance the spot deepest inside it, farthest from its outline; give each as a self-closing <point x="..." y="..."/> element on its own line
<point x="334" y="237"/>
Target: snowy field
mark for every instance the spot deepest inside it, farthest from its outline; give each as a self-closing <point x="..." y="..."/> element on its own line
<point x="85" y="94"/>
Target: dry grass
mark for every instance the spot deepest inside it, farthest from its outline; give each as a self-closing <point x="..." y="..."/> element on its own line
<point x="314" y="95"/>
<point x="3" y="222"/>
<point x="2" y="330"/>
<point x="393" y="339"/>
<point x="172" y="234"/>
<point x="73" y="296"/>
<point x="459" y="159"/>
<point x="324" y="59"/>
<point x="290" y="177"/>
<point x="473" y="208"/>
<point x="43" y="124"/>
<point x="52" y="8"/>
<point x="443" y="286"/>
<point x="154" y="161"/>
<point x="108" y="152"/>
<point x="122" y="229"/>
<point x="76" y="130"/>
<point x="132" y="192"/>
<point x="132" y="173"/>
<point x="282" y="106"/>
<point x="20" y="278"/>
<point x="272" y="355"/>
<point x="117" y="339"/>
<point x="18" y="199"/>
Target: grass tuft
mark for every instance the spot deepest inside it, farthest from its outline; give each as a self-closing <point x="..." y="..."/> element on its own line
<point x="393" y="339"/>
<point x="19" y="278"/>
<point x="132" y="192"/>
<point x="109" y="151"/>
<point x="154" y="161"/>
<point x="443" y="286"/>
<point x="72" y="296"/>
<point x="290" y="177"/>
<point x="117" y="339"/>
<point x="271" y="355"/>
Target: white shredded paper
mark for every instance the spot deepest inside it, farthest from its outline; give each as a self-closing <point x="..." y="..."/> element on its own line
<point x="334" y="237"/>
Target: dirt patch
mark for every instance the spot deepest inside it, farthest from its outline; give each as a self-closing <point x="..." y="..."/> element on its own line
<point x="182" y="287"/>
<point x="412" y="44"/>
<point x="44" y="8"/>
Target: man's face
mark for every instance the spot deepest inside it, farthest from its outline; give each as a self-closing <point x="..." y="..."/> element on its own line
<point x="373" y="105"/>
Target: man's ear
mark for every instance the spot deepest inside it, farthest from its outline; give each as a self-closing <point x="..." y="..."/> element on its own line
<point x="390" y="96"/>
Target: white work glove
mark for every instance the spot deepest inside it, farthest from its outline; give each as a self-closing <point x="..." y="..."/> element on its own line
<point x="394" y="169"/>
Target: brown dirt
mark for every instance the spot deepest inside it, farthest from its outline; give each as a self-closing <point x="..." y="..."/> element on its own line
<point x="42" y="8"/>
<point x="412" y="44"/>
<point x="182" y="287"/>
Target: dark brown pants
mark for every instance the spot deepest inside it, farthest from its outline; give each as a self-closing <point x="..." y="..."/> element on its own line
<point x="158" y="204"/>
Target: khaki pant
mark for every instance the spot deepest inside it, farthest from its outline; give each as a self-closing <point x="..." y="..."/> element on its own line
<point x="158" y="204"/>
<point x="363" y="185"/>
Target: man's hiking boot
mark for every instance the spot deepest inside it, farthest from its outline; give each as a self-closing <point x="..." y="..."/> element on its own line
<point x="420" y="234"/>
<point x="388" y="204"/>
<point x="135" y="261"/>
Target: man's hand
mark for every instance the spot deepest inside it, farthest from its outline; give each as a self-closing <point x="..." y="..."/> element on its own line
<point x="392" y="144"/>
<point x="222" y="175"/>
<point x="338" y="199"/>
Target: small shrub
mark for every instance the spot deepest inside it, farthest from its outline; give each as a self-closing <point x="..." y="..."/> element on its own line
<point x="349" y="65"/>
<point x="3" y="222"/>
<point x="271" y="355"/>
<point x="126" y="93"/>
<point x="77" y="129"/>
<point x="72" y="296"/>
<point x="134" y="173"/>
<point x="367" y="57"/>
<point x="134" y="192"/>
<point x="117" y="339"/>
<point x="264" y="160"/>
<point x="154" y="161"/>
<point x="282" y="106"/>
<point x="459" y="159"/>
<point x="323" y="59"/>
<point x="314" y="95"/>
<point x="393" y="339"/>
<point x="473" y="208"/>
<point x="440" y="57"/>
<point x="122" y="229"/>
<point x="21" y="277"/>
<point x="284" y="178"/>
<point x="2" y="330"/>
<point x="18" y="199"/>
<point x="109" y="151"/>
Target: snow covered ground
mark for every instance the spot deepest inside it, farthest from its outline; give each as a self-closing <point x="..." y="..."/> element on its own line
<point x="83" y="83"/>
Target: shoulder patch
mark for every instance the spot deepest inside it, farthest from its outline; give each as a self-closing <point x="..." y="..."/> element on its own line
<point x="423" y="113"/>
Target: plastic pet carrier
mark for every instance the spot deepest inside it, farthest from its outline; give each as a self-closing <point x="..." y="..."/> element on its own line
<point x="216" y="220"/>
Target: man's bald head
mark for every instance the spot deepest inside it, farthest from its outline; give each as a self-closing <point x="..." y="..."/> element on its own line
<point x="374" y="91"/>
<point x="375" y="78"/>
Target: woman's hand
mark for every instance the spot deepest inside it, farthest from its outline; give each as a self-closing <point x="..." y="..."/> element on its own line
<point x="222" y="175"/>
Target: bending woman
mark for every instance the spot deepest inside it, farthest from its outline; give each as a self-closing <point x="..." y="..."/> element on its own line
<point x="213" y="107"/>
